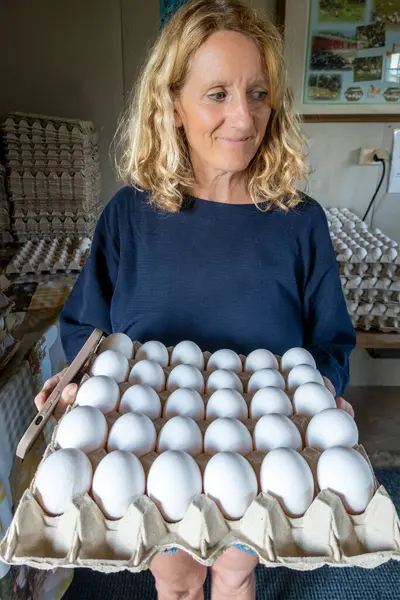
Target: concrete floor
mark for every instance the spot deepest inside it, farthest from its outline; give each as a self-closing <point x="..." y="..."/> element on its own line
<point x="378" y="418"/>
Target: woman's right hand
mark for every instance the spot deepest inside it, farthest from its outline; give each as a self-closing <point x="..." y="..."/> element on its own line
<point x="67" y="397"/>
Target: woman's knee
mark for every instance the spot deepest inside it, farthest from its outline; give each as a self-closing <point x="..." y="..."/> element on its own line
<point x="178" y="576"/>
<point x="233" y="572"/>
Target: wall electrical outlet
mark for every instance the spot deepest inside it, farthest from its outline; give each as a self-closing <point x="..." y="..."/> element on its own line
<point x="367" y="156"/>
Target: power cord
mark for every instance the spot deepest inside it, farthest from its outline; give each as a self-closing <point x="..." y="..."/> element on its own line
<point x="381" y="160"/>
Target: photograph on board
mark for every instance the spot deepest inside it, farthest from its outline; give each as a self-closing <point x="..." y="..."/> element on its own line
<point x="353" y="94"/>
<point x="368" y="68"/>
<point x="341" y="11"/>
<point x="387" y="11"/>
<point x="332" y="51"/>
<point x="371" y="36"/>
<point x="324" y="87"/>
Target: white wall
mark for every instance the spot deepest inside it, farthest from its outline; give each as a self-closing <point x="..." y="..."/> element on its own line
<point x="338" y="180"/>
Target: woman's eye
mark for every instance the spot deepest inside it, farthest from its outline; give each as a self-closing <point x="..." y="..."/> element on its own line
<point x="260" y="95"/>
<point x="217" y="96"/>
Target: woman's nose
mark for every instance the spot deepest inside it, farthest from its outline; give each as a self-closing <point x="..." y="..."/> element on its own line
<point x="242" y="112"/>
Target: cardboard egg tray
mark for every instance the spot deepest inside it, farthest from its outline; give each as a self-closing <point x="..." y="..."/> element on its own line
<point x="56" y="187"/>
<point x="83" y="537"/>
<point x="52" y="255"/>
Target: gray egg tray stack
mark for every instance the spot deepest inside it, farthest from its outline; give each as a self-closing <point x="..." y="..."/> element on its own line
<point x="5" y="224"/>
<point x="53" y="175"/>
<point x="369" y="270"/>
<point x="61" y="254"/>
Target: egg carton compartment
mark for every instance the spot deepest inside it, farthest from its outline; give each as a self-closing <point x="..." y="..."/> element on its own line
<point x="82" y="536"/>
<point x="387" y="297"/>
<point x="35" y="229"/>
<point x="51" y="255"/>
<point x="370" y="270"/>
<point x="384" y="324"/>
<point x="50" y="126"/>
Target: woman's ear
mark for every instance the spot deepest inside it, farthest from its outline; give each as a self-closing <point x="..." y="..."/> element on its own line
<point x="177" y="115"/>
<point x="178" y="120"/>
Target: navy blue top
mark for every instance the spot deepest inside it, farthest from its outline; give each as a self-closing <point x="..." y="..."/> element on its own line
<point x="221" y="275"/>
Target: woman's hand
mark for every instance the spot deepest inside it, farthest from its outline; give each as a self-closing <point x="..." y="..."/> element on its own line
<point x="67" y="397"/>
<point x="340" y="402"/>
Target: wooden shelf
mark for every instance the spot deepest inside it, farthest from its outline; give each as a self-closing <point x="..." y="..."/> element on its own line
<point x="376" y="339"/>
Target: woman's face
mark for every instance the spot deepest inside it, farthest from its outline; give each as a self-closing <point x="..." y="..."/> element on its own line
<point x="224" y="104"/>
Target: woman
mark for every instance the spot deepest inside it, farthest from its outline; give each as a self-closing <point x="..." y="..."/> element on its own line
<point x="211" y="241"/>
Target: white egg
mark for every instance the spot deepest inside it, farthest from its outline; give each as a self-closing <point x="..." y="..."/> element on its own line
<point x="270" y="400"/>
<point x="111" y="364"/>
<point x="227" y="435"/>
<point x="222" y="378"/>
<point x="226" y="403"/>
<point x="286" y="475"/>
<point x="148" y="372"/>
<point x="225" y="359"/>
<point x="141" y="398"/>
<point x="60" y="477"/>
<point x="265" y="378"/>
<point x="231" y="482"/>
<point x="133" y="432"/>
<point x="303" y="374"/>
<point x="185" y="376"/>
<point x="260" y="359"/>
<point x="84" y="427"/>
<point x="332" y="427"/>
<point x="118" y="480"/>
<point x="181" y="433"/>
<point x="101" y="392"/>
<point x="185" y="402"/>
<point x="294" y="357"/>
<point x="310" y="398"/>
<point x="119" y="342"/>
<point x="155" y="351"/>
<point x="347" y="473"/>
<point x="174" y="480"/>
<point x="276" y="431"/>
<point x="187" y="353"/>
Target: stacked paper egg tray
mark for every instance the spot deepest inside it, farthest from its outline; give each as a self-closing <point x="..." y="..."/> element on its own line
<point x="53" y="175"/>
<point x="5" y="225"/>
<point x="83" y="537"/>
<point x="370" y="271"/>
<point x="61" y="254"/>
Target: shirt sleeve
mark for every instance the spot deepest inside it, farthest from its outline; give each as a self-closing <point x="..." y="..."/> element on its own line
<point x="88" y="305"/>
<point x="328" y="332"/>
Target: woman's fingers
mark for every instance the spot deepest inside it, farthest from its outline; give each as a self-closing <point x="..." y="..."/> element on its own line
<point x="40" y="399"/>
<point x="340" y="402"/>
<point x="346" y="406"/>
<point x="67" y="397"/>
<point x="329" y="386"/>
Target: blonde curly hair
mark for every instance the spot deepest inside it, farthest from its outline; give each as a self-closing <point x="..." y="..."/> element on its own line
<point x="153" y="152"/>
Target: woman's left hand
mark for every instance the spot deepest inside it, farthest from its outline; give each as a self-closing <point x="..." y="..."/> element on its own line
<point x="340" y="402"/>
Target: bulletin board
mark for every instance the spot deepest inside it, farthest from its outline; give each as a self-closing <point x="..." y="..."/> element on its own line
<point x="344" y="55"/>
